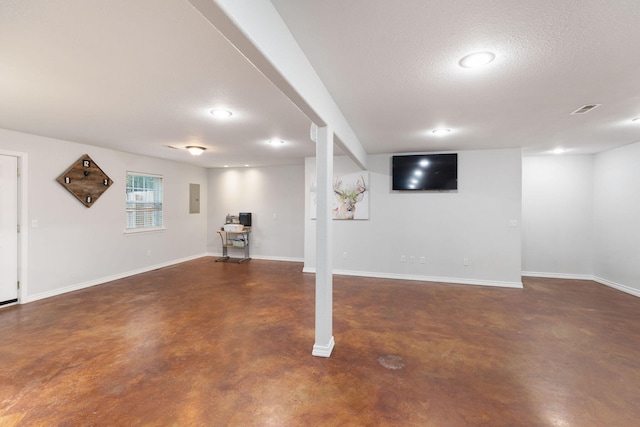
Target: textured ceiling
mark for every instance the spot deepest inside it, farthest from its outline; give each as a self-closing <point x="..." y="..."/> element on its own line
<point x="141" y="75"/>
<point x="393" y="69"/>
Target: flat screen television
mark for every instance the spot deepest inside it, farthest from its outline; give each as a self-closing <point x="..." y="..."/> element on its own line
<point x="425" y="172"/>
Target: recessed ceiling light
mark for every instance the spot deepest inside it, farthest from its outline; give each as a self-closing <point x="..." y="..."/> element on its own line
<point x="195" y="149"/>
<point x="221" y="113"/>
<point x="441" y="132"/>
<point x="477" y="59"/>
<point x="246" y="166"/>
<point x="226" y="166"/>
<point x="559" y="150"/>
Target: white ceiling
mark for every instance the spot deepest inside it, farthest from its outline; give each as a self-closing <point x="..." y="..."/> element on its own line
<point x="141" y="75"/>
<point x="137" y="76"/>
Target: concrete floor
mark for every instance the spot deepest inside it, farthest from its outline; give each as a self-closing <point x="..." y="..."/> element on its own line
<point x="216" y="344"/>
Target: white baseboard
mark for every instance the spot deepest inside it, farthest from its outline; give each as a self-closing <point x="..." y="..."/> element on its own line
<point x="263" y="257"/>
<point x="557" y="275"/>
<point x="323" y="350"/>
<point x="277" y="258"/>
<point x="396" y="276"/>
<point x="618" y="286"/>
<point x="90" y="283"/>
<point x="609" y="283"/>
<point x="76" y="287"/>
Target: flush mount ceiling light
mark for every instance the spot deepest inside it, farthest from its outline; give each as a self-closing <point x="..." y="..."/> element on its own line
<point x="586" y="108"/>
<point x="441" y="132"/>
<point x="221" y="113"/>
<point x="276" y="142"/>
<point x="477" y="59"/>
<point x="195" y="149"/>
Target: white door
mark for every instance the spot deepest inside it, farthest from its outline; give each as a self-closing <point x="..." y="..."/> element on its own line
<point x="8" y="229"/>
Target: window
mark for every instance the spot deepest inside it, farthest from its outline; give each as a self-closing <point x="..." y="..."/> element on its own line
<point x="144" y="202"/>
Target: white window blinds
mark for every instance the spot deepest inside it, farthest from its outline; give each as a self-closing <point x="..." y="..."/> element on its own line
<point x="144" y="201"/>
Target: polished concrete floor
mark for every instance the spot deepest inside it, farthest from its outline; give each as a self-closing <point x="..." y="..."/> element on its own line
<point x="216" y="344"/>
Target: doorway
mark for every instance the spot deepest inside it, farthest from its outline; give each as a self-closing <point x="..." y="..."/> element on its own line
<point x="8" y="230"/>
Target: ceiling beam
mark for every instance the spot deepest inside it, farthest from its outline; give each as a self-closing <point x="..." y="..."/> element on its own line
<point x="256" y="29"/>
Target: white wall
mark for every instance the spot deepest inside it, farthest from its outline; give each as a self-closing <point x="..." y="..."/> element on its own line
<point x="275" y="198"/>
<point x="74" y="246"/>
<point x="617" y="218"/>
<point x="557" y="216"/>
<point x="443" y="227"/>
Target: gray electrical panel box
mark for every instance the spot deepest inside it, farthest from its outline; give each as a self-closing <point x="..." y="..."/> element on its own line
<point x="194" y="198"/>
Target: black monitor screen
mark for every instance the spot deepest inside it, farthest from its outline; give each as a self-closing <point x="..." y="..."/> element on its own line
<point x="424" y="172"/>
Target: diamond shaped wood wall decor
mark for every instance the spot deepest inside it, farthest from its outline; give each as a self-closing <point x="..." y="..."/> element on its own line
<point x="85" y="180"/>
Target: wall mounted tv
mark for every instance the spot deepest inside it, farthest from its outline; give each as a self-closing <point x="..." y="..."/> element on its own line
<point x="425" y="172"/>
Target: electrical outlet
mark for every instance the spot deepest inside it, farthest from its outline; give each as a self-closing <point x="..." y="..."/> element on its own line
<point x="513" y="223"/>
<point x="465" y="262"/>
<point x="402" y="258"/>
<point x="422" y="260"/>
<point x="412" y="259"/>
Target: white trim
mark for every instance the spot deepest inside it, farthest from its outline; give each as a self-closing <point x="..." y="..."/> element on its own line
<point x="23" y="219"/>
<point x="618" y="286"/>
<point x="558" y="275"/>
<point x="263" y="257"/>
<point x="323" y="350"/>
<point x="130" y="231"/>
<point x="151" y="175"/>
<point x="142" y="229"/>
<point x="276" y="258"/>
<point x="103" y="280"/>
<point x="627" y="289"/>
<point x="395" y="276"/>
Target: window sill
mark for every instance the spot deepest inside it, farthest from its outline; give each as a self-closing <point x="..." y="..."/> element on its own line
<point x="128" y="231"/>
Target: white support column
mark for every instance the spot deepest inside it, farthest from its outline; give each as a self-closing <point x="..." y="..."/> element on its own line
<point x="324" y="266"/>
<point x="256" y="29"/>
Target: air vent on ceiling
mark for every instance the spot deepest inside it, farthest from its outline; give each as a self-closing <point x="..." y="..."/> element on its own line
<point x="586" y="108"/>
